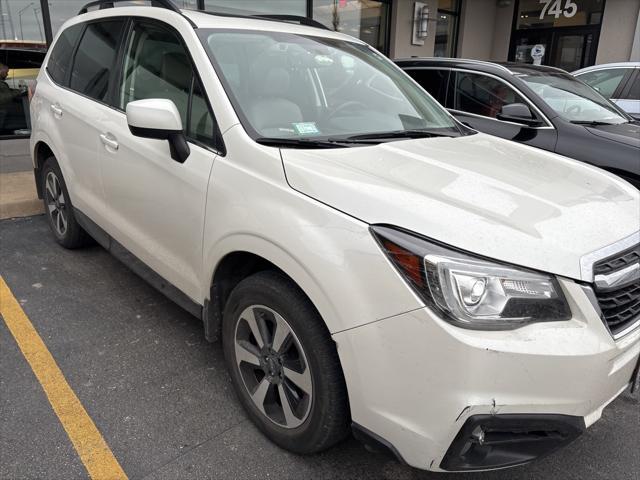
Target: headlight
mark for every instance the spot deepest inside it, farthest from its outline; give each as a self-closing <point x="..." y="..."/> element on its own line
<point x="472" y="292"/>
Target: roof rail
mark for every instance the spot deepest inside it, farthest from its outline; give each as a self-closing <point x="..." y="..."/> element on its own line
<point x="168" y="4"/>
<point x="309" y="22"/>
<point x="270" y="17"/>
<point x="454" y="60"/>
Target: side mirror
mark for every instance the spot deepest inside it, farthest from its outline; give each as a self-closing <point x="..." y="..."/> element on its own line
<point x="518" y="113"/>
<point x="159" y="118"/>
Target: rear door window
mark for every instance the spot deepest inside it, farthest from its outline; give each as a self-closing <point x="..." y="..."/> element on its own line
<point x="433" y="81"/>
<point x="482" y="95"/>
<point x="95" y="58"/>
<point x="60" y="58"/>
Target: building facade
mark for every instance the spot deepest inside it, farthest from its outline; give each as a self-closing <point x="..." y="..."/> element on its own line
<point x="574" y="33"/>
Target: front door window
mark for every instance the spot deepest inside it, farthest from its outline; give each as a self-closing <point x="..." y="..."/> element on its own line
<point x="157" y="65"/>
<point x="482" y="95"/>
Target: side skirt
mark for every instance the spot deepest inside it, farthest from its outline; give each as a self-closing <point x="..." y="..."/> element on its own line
<point x="137" y="265"/>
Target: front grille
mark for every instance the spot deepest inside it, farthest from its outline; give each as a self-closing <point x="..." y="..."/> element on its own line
<point x="621" y="306"/>
<point x="617" y="261"/>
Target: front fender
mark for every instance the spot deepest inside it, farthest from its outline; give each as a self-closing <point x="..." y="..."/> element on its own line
<point x="332" y="256"/>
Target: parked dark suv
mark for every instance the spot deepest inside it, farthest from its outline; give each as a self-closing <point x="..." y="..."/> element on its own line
<point x="538" y="105"/>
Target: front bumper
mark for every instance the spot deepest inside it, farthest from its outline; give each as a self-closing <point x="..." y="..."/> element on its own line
<point x="416" y="381"/>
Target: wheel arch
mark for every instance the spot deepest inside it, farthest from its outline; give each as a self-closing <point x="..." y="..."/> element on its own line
<point x="249" y="255"/>
<point x="41" y="151"/>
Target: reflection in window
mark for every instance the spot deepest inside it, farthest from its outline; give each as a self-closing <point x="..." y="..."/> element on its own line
<point x="447" y="28"/>
<point x="363" y="19"/>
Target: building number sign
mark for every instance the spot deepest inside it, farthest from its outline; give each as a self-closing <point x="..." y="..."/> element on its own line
<point x="554" y="7"/>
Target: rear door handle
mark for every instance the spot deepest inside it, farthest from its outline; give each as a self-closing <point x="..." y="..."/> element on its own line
<point x="109" y="140"/>
<point x="57" y="111"/>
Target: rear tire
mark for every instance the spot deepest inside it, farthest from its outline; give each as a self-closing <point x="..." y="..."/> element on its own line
<point x="278" y="349"/>
<point x="58" y="208"/>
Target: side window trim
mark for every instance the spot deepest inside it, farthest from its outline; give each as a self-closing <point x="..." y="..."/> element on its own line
<point x="219" y="147"/>
<point x="190" y="103"/>
<point x="535" y="110"/>
<point x="625" y="82"/>
<point x="625" y="92"/>
<point x="116" y="74"/>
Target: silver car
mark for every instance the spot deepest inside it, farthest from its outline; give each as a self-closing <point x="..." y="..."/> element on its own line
<point x="619" y="82"/>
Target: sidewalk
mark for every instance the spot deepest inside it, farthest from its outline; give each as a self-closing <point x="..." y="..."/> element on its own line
<point x="18" y="196"/>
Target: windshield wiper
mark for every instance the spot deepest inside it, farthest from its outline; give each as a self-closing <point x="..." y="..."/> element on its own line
<point x="393" y="135"/>
<point x="592" y="123"/>
<point x="300" y="142"/>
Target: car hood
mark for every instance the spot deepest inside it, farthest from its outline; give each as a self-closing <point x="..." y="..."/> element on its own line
<point x="478" y="193"/>
<point x="627" y="133"/>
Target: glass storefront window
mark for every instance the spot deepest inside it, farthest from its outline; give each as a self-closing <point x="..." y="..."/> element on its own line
<point x="558" y="13"/>
<point x="363" y="19"/>
<point x="447" y="28"/>
<point x="280" y="7"/>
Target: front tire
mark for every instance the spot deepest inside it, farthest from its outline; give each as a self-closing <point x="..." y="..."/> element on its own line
<point x="284" y="365"/>
<point x="58" y="207"/>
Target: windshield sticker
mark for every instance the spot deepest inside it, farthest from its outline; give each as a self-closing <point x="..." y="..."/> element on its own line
<point x="306" y="128"/>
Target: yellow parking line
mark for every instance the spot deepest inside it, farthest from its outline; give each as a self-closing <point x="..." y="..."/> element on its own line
<point x="87" y="440"/>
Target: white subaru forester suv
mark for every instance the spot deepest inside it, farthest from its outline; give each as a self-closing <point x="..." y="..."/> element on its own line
<point x="369" y="263"/>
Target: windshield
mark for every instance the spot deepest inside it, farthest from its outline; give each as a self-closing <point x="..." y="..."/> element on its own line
<point x="572" y="99"/>
<point x="299" y="88"/>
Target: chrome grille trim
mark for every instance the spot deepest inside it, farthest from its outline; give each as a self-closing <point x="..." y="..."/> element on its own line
<point x="587" y="261"/>
<point x="616" y="286"/>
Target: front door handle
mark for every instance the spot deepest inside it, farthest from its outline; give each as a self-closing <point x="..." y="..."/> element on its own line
<point x="57" y="111"/>
<point x="109" y="140"/>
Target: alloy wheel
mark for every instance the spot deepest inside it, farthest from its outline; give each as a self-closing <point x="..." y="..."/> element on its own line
<point x="273" y="366"/>
<point x="56" y="203"/>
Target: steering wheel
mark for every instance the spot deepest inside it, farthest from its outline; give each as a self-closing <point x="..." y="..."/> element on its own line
<point x="350" y="105"/>
<point x="574" y="110"/>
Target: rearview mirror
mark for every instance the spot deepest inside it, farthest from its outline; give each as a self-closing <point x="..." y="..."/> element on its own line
<point x="159" y="118"/>
<point x="518" y="113"/>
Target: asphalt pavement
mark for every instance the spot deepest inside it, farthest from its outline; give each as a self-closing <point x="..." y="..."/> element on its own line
<point x="162" y="399"/>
